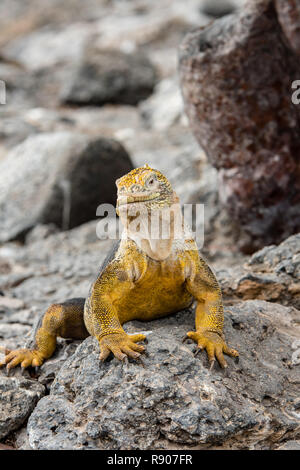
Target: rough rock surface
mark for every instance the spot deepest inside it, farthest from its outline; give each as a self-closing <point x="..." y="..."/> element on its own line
<point x="109" y="77"/>
<point x="289" y="19"/>
<point x="290" y="445"/>
<point x="272" y="274"/>
<point x="174" y="399"/>
<point x="18" y="398"/>
<point x="237" y="90"/>
<point x="71" y="173"/>
<point x="164" y="107"/>
<point x="266" y="335"/>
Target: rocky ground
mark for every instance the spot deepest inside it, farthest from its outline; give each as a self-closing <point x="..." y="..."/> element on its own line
<point x="66" y="103"/>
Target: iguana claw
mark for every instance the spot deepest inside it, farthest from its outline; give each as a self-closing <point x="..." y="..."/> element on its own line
<point x="214" y="344"/>
<point x="22" y="357"/>
<point x="198" y="351"/>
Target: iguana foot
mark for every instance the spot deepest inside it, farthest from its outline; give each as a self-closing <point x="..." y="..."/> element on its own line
<point x="25" y="357"/>
<point x="214" y="344"/>
<point x="121" y="345"/>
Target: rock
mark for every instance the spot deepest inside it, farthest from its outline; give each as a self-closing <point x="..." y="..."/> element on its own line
<point x="91" y="120"/>
<point x="165" y="107"/>
<point x="69" y="174"/>
<point x="217" y="8"/>
<point x="23" y="317"/>
<point x="40" y="232"/>
<point x="272" y="274"/>
<point x="46" y="47"/>
<point x="109" y="77"/>
<point x="21" y="441"/>
<point x="28" y="89"/>
<point x="5" y="447"/>
<point x="14" y="130"/>
<point x="50" y="368"/>
<point x="18" y="398"/>
<point x="40" y="280"/>
<point x="289" y="19"/>
<point x="13" y="331"/>
<point x="155" y="26"/>
<point x="20" y="92"/>
<point x="15" y="322"/>
<point x="290" y="445"/>
<point x="8" y="302"/>
<point x="175" y="400"/>
<point x="240" y="109"/>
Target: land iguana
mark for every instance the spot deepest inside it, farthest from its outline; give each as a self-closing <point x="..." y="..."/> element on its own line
<point x="143" y="278"/>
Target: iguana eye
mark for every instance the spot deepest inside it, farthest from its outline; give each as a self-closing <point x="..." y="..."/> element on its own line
<point x="151" y="182"/>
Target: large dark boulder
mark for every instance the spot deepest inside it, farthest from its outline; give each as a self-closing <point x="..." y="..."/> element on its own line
<point x="58" y="178"/>
<point x="236" y="75"/>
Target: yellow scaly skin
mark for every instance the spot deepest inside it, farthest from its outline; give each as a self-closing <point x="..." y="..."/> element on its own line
<point x="139" y="283"/>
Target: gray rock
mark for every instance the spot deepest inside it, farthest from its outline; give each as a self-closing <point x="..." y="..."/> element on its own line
<point x="272" y="274"/>
<point x="40" y="232"/>
<point x="289" y="16"/>
<point x="14" y="130"/>
<point x="50" y="368"/>
<point x="165" y="107"/>
<point x="23" y="317"/>
<point x="21" y="439"/>
<point x="69" y="174"/>
<point x="174" y="400"/>
<point x="13" y="330"/>
<point x="10" y="303"/>
<point x="217" y="8"/>
<point x="18" y="398"/>
<point x="109" y="77"/>
<point x="46" y="47"/>
<point x="290" y="445"/>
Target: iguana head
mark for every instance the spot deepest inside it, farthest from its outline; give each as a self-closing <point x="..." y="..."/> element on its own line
<point x="143" y="193"/>
<point x="144" y="186"/>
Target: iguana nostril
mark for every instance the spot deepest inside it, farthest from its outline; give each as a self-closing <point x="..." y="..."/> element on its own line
<point x="136" y="188"/>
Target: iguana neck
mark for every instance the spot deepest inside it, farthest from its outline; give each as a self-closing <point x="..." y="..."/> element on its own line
<point x="157" y="247"/>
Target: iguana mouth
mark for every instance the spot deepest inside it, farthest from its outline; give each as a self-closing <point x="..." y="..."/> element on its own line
<point x="122" y="200"/>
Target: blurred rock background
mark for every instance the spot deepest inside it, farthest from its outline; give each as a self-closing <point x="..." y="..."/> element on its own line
<point x="92" y="91"/>
<point x="105" y="69"/>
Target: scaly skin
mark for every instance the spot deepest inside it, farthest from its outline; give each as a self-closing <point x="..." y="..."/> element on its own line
<point x="143" y="280"/>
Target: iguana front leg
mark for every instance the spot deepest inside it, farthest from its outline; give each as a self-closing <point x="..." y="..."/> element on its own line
<point x="102" y="318"/>
<point x="62" y="319"/>
<point x="203" y="285"/>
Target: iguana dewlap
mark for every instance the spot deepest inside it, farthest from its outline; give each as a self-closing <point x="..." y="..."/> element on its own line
<point x="143" y="278"/>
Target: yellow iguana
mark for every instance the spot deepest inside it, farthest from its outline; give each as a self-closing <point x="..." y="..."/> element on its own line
<point x="143" y="278"/>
